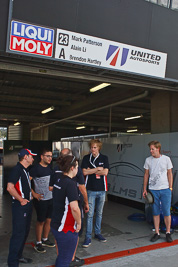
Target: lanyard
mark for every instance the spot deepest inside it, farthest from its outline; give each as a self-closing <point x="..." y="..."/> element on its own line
<point x="93" y="163"/>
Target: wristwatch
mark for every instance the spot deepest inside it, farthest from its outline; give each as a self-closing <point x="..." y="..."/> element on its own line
<point x="170" y="188"/>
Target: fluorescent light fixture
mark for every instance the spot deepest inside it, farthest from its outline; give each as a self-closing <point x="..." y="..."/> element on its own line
<point x="47" y="110"/>
<point x="80" y="127"/>
<point x="98" y="87"/>
<point x="132" y="118"/>
<point x="16" y="123"/>
<point x="131" y="131"/>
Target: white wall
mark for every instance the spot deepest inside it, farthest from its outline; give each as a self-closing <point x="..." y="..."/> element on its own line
<point x="127" y="156"/>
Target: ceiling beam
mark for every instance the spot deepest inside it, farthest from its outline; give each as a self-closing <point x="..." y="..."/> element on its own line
<point x="96" y="109"/>
<point x="44" y="101"/>
<point x="109" y="77"/>
<point x="34" y="92"/>
<point x="23" y="118"/>
<point x="98" y="100"/>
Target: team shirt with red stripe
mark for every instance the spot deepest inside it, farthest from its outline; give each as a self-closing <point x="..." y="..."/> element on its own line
<point x="19" y="176"/>
<point x="64" y="192"/>
<point x="95" y="182"/>
<point x="79" y="179"/>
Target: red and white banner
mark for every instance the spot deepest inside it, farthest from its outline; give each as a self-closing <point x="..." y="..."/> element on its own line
<point x="31" y="39"/>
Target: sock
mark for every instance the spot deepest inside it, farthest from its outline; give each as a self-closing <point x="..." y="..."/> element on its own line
<point x="38" y="242"/>
<point x="44" y="239"/>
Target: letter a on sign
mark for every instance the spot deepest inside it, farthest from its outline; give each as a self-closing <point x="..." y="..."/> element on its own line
<point x="62" y="54"/>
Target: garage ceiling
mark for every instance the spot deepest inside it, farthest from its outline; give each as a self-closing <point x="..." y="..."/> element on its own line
<point x="27" y="87"/>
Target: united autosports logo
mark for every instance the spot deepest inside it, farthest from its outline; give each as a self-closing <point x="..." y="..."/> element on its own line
<point x="113" y="53"/>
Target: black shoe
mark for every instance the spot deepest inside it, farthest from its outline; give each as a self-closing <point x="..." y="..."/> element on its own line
<point x="87" y="242"/>
<point x="48" y="243"/>
<point x="77" y="262"/>
<point x="25" y="260"/>
<point x="155" y="238"/>
<point x="168" y="238"/>
<point x="100" y="238"/>
<point x="39" y="248"/>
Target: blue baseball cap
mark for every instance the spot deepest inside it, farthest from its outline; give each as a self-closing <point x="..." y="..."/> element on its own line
<point x="25" y="151"/>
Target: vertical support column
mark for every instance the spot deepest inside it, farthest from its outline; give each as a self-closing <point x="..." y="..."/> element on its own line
<point x="41" y="134"/>
<point x="110" y="120"/>
<point x="164" y="112"/>
<point x="174" y="112"/>
<point x="161" y="112"/>
<point x="26" y="131"/>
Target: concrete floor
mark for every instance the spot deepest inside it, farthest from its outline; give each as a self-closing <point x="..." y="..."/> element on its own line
<point x="122" y="234"/>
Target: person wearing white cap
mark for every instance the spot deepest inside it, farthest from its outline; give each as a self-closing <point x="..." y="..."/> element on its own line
<point x="19" y="187"/>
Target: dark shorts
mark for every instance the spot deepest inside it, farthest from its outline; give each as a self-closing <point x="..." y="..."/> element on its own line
<point x="43" y="209"/>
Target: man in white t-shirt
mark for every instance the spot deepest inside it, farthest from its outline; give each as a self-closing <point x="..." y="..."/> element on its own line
<point x="158" y="170"/>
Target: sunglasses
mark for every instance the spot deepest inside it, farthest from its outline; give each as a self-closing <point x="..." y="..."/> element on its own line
<point x="48" y="156"/>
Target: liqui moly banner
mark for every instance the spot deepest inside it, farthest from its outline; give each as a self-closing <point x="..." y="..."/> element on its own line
<point x="89" y="50"/>
<point x="31" y="39"/>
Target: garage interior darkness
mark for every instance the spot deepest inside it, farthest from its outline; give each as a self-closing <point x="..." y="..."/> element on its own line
<point x="27" y="87"/>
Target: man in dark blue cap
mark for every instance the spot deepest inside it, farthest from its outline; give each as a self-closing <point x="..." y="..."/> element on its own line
<point x="19" y="187"/>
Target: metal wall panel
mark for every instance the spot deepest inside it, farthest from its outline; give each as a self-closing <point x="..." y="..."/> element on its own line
<point x="4" y="10"/>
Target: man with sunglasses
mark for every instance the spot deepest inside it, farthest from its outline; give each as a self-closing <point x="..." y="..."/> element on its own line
<point x="41" y="174"/>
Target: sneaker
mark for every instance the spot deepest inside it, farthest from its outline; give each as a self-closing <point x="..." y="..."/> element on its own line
<point x="87" y="242"/>
<point x="25" y="260"/>
<point x="155" y="238"/>
<point x="100" y="238"/>
<point x="168" y="238"/>
<point x="48" y="243"/>
<point x="77" y="262"/>
<point x="39" y="248"/>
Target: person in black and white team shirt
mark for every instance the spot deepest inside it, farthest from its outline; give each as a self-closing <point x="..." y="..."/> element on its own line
<point x="19" y="187"/>
<point x="66" y="217"/>
<point x="41" y="173"/>
<point x="158" y="170"/>
<point x="95" y="167"/>
<point x="83" y="199"/>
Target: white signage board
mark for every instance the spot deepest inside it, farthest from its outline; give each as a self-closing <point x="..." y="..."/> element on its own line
<point x="79" y="48"/>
